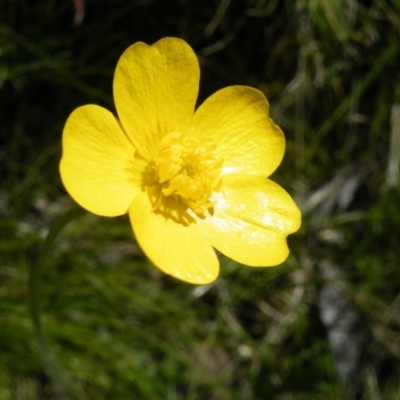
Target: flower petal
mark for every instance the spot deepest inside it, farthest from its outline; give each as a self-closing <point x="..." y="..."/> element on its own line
<point x="237" y="119"/>
<point x="98" y="166"/>
<point x="252" y="217"/>
<point x="155" y="91"/>
<point x="178" y="250"/>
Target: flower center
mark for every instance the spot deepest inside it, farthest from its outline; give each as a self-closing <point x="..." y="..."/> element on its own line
<point x="186" y="168"/>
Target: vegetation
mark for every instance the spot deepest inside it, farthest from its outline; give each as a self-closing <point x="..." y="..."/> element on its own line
<point x="324" y="325"/>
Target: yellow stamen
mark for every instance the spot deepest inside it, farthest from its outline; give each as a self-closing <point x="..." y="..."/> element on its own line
<point x="188" y="169"/>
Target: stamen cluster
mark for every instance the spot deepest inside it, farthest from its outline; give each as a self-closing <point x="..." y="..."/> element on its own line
<point x="189" y="169"/>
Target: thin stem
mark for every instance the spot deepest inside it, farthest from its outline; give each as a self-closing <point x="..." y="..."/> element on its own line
<point x="53" y="368"/>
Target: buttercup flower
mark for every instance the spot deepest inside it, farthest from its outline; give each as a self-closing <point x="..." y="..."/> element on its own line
<point x="190" y="180"/>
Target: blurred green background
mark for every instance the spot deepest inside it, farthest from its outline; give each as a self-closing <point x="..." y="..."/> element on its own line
<point x="324" y="325"/>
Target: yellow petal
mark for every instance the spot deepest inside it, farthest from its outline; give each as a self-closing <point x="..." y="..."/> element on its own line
<point x="155" y="91"/>
<point x="237" y="119"/>
<point x="252" y="217"/>
<point x="98" y="167"/>
<point x="178" y="250"/>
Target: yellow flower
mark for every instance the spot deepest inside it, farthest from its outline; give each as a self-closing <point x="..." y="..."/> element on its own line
<point x="190" y="180"/>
